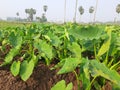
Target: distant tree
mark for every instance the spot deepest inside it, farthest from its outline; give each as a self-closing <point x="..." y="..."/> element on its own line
<point x="30" y="12"/>
<point x="65" y="11"/>
<point x="81" y="10"/>
<point x="43" y="18"/>
<point x="91" y="10"/>
<point x="38" y="19"/>
<point x="45" y="8"/>
<point x="26" y="11"/>
<point x="17" y="15"/>
<point x="75" y="11"/>
<point x="95" y="10"/>
<point x="118" y="9"/>
<point x="0" y="19"/>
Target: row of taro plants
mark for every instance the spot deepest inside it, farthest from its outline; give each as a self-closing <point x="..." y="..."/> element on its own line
<point x="94" y="49"/>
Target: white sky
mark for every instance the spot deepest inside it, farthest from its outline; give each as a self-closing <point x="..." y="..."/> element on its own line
<point x="106" y="9"/>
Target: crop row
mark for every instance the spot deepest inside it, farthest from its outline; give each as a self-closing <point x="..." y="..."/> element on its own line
<point x="94" y="49"/>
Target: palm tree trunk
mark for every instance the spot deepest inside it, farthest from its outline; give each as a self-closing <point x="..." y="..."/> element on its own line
<point x="80" y="18"/>
<point x="115" y="20"/>
<point x="75" y="11"/>
<point x="65" y="12"/>
<point x="91" y="18"/>
<point x="95" y="11"/>
<point x="26" y="17"/>
<point x="119" y="17"/>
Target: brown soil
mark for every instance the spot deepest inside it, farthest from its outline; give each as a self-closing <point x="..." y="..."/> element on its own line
<point x="42" y="79"/>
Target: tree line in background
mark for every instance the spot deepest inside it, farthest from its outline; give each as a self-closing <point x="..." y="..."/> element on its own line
<point x="31" y="12"/>
<point x="92" y="10"/>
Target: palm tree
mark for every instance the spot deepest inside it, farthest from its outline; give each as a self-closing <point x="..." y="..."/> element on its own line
<point x="91" y="10"/>
<point x="81" y="10"/>
<point x="43" y="18"/>
<point x="118" y="9"/>
<point x="45" y="7"/>
<point x="17" y="15"/>
<point x="27" y="11"/>
<point x="30" y="12"/>
<point x="75" y="11"/>
<point x="95" y="10"/>
<point x="65" y="12"/>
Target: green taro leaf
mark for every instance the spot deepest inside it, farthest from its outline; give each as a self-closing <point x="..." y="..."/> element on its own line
<point x="60" y="64"/>
<point x="12" y="39"/>
<point x="75" y="48"/>
<point x="13" y="52"/>
<point x="1" y="36"/>
<point x="54" y="39"/>
<point x="4" y="41"/>
<point x="26" y="69"/>
<point x="106" y="45"/>
<point x="69" y="65"/>
<point x="84" y="73"/>
<point x="115" y="87"/>
<point x="62" y="86"/>
<point x="87" y="32"/>
<point x="34" y="58"/>
<point x="69" y="86"/>
<point x="15" y="68"/>
<point x="59" y="86"/>
<point x="15" y="39"/>
<point x="99" y="69"/>
<point x="43" y="47"/>
<point x="118" y="43"/>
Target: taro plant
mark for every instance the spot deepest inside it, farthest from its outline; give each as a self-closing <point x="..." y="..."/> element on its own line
<point x="97" y="67"/>
<point x="62" y="86"/>
<point x="94" y="49"/>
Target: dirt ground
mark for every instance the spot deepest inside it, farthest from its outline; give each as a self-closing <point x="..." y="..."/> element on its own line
<point x="41" y="79"/>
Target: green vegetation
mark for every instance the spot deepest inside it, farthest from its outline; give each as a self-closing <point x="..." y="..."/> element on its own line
<point x="94" y="49"/>
<point x="61" y="85"/>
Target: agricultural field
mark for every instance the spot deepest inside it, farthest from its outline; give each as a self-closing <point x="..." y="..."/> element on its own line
<point x="46" y="56"/>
